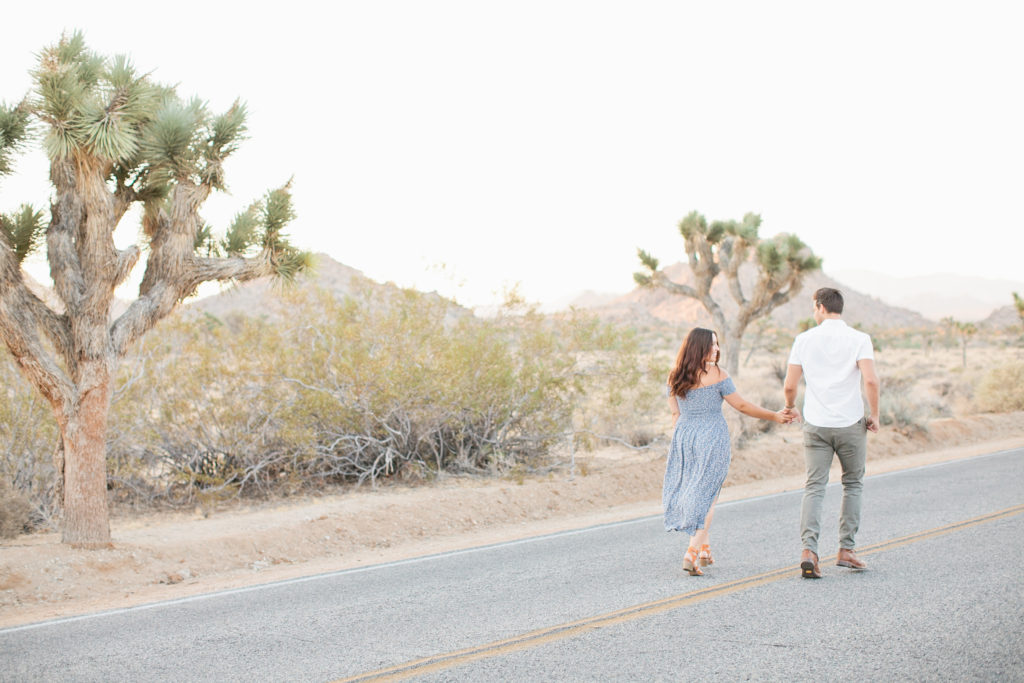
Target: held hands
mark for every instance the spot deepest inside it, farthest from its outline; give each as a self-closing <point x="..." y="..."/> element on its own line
<point x="787" y="416"/>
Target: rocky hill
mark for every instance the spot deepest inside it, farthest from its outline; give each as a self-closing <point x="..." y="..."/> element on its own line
<point x="261" y="297"/>
<point x="646" y="306"/>
<point x="1002" y="318"/>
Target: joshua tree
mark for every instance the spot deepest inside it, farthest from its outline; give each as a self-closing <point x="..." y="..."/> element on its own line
<point x="115" y="138"/>
<point x="962" y="330"/>
<point x="722" y="247"/>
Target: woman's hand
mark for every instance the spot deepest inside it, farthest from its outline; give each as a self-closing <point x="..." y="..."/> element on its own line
<point x="784" y="416"/>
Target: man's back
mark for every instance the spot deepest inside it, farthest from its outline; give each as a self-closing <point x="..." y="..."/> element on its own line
<point x="828" y="355"/>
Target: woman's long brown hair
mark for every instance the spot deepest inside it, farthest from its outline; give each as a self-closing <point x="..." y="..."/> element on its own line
<point x="691" y="362"/>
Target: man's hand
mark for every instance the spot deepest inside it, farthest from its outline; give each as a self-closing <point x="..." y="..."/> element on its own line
<point x="872" y="423"/>
<point x="792" y="413"/>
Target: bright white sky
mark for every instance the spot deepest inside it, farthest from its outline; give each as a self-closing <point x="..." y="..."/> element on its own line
<point x="468" y="146"/>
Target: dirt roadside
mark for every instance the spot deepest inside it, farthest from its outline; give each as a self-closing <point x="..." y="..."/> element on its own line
<point x="173" y="555"/>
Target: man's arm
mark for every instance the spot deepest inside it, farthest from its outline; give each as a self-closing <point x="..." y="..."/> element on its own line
<point x="789" y="388"/>
<point x="871" y="388"/>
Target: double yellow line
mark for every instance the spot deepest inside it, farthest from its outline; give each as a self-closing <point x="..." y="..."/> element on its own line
<point x="574" y="628"/>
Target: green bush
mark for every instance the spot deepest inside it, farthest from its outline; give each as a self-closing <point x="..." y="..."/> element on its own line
<point x="197" y="416"/>
<point x="329" y="391"/>
<point x="357" y="390"/>
<point x="1001" y="390"/>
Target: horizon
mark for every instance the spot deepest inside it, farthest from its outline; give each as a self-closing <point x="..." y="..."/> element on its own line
<point x="449" y="159"/>
<point x="942" y="303"/>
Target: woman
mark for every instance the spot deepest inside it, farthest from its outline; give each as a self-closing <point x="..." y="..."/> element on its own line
<point x="698" y="458"/>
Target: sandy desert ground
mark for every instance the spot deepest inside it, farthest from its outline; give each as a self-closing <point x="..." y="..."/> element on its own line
<point x="170" y="555"/>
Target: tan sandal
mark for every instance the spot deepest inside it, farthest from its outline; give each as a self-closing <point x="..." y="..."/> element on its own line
<point x="691" y="564"/>
<point x="705" y="556"/>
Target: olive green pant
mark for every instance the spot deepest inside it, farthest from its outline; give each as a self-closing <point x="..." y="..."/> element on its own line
<point x="850" y="444"/>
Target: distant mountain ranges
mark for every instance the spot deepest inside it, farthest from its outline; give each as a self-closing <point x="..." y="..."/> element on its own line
<point x="908" y="302"/>
<point x="974" y="299"/>
<point x="657" y="305"/>
<point x="641" y="306"/>
<point x="937" y="296"/>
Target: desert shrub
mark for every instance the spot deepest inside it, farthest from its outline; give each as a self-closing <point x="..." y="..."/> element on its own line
<point x="615" y="390"/>
<point x="899" y="410"/>
<point x="1001" y="389"/>
<point x="28" y="438"/>
<point x="357" y="390"/>
<point x="328" y="391"/>
<point x="197" y="416"/>
<point x="640" y="437"/>
<point x="15" y="511"/>
<point x="409" y="389"/>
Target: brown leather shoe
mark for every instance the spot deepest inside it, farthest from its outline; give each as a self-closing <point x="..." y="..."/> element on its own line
<point x="809" y="565"/>
<point x="847" y="558"/>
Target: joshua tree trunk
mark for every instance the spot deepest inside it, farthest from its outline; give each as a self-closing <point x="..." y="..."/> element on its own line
<point x="732" y="356"/>
<point x="83" y="435"/>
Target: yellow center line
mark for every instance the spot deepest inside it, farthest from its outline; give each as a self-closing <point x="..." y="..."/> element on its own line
<point x="574" y="628"/>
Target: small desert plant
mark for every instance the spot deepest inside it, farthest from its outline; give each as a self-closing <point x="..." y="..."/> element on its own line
<point x="641" y="437"/>
<point x="897" y="408"/>
<point x="1001" y="390"/>
<point x="15" y="511"/>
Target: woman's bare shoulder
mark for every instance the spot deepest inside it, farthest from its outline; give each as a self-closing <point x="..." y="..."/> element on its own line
<point x="714" y="375"/>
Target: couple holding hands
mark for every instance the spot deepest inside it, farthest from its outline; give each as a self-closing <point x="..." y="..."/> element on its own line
<point x="833" y="359"/>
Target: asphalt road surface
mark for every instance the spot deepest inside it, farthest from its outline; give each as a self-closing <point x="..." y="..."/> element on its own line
<point x="943" y="599"/>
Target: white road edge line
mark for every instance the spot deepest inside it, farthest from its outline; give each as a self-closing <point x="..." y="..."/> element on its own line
<point x="450" y="553"/>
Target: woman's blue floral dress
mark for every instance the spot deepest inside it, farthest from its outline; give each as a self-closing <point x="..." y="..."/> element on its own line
<point x="698" y="458"/>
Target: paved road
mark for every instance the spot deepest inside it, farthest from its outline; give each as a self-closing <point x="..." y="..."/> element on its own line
<point x="943" y="600"/>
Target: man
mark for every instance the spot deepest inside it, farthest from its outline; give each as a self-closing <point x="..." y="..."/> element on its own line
<point x="832" y="358"/>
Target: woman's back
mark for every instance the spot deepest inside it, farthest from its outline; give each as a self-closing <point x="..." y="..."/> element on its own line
<point x="706" y="399"/>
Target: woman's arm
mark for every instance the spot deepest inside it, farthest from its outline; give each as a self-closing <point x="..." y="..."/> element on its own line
<point x="747" y="408"/>
<point x="673" y="406"/>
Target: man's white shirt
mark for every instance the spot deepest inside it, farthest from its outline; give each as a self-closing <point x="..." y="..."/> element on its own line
<point x="828" y="355"/>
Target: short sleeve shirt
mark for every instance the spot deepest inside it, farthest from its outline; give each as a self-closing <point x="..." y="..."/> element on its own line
<point x="828" y="355"/>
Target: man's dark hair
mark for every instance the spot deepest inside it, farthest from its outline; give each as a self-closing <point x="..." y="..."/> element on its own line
<point x="831" y="299"/>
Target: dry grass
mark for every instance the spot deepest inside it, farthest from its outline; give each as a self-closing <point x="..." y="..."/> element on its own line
<point x="1001" y="390"/>
<point x="15" y="511"/>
